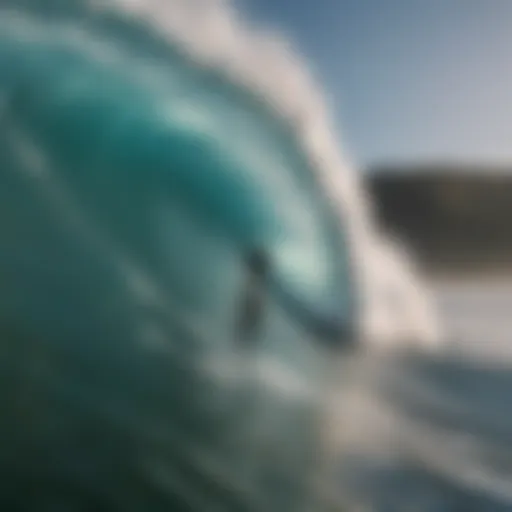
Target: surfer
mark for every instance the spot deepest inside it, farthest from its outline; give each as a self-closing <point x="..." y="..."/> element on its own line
<point x="331" y="328"/>
<point x="252" y="303"/>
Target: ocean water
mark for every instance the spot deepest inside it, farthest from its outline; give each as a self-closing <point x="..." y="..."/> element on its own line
<point x="138" y="178"/>
<point x="418" y="432"/>
<point x="439" y="439"/>
<point x="433" y="433"/>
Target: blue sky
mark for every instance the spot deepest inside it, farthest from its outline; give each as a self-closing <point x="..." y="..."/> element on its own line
<point x="408" y="79"/>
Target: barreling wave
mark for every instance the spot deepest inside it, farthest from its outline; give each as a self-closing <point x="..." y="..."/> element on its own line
<point x="261" y="66"/>
<point x="214" y="34"/>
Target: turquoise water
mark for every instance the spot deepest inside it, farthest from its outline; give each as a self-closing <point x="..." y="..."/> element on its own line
<point x="183" y="136"/>
<point x="134" y="186"/>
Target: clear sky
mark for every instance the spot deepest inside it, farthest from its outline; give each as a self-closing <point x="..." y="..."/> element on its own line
<point x="409" y="79"/>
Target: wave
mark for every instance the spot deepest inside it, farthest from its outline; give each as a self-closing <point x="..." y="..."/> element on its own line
<point x="215" y="34"/>
<point x="212" y="35"/>
<point x="414" y="413"/>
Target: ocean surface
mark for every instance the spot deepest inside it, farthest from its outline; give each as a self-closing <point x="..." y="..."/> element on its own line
<point x="434" y="434"/>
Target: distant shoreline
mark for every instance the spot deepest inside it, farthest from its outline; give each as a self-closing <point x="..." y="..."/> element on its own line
<point x="498" y="274"/>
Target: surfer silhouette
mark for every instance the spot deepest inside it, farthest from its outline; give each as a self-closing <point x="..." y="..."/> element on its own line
<point x="252" y="302"/>
<point x="259" y="284"/>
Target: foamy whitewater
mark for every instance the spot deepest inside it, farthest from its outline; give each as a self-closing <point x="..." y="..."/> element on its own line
<point x="412" y="431"/>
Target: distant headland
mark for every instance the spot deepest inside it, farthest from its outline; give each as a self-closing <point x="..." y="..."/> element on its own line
<point x="455" y="217"/>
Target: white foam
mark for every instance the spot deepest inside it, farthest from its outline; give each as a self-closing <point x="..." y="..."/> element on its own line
<point x="401" y="312"/>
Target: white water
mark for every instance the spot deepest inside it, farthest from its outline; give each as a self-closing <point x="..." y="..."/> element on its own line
<point x="477" y="316"/>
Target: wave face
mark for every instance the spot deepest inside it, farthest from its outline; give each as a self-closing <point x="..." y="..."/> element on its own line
<point x="93" y="87"/>
<point x="137" y="178"/>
